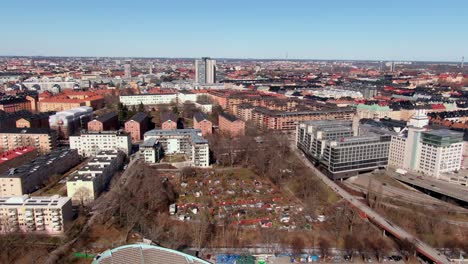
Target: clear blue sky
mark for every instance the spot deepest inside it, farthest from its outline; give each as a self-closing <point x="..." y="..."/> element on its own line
<point x="307" y="29"/>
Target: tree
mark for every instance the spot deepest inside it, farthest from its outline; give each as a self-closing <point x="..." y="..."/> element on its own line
<point x="122" y="112"/>
<point x="141" y="107"/>
<point x="324" y="246"/>
<point x="297" y="245"/>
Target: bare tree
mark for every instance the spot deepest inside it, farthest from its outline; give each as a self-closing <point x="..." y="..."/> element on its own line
<point x="297" y="245"/>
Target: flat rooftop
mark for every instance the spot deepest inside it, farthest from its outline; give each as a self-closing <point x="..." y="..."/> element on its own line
<point x="54" y="201"/>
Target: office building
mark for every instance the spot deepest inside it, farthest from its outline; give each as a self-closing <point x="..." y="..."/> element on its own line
<point x="43" y="139"/>
<point x="70" y="122"/>
<point x="85" y="185"/>
<point x="182" y="141"/>
<point x="36" y="214"/>
<point x="90" y="143"/>
<point x="105" y="122"/>
<point x="200" y="121"/>
<point x="339" y="151"/>
<point x="205" y="71"/>
<point x="431" y="152"/>
<point x="136" y="126"/>
<point x="30" y="176"/>
<point x="231" y="125"/>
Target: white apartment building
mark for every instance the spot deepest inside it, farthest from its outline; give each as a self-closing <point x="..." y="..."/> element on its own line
<point x="185" y="141"/>
<point x="84" y="185"/>
<point x="151" y="150"/>
<point x="431" y="152"/>
<point x="90" y="143"/>
<point x="148" y="99"/>
<point x="49" y="215"/>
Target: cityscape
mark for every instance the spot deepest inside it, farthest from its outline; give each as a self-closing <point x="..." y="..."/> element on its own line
<point x="272" y="154"/>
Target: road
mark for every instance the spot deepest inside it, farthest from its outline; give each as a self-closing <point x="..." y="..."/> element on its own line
<point x="451" y="190"/>
<point x="422" y="247"/>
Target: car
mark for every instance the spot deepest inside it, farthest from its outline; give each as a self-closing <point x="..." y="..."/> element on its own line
<point x="347" y="257"/>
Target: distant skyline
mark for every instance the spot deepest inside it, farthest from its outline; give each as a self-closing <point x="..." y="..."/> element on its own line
<point x="411" y="30"/>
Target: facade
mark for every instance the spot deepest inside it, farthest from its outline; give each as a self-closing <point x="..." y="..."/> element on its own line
<point x="431" y="152"/>
<point x="85" y="185"/>
<point x="148" y="99"/>
<point x="184" y="141"/>
<point x="69" y="100"/>
<point x="43" y="139"/>
<point x="70" y="122"/>
<point x="28" y="177"/>
<point x="36" y="214"/>
<point x="40" y="120"/>
<point x="137" y="126"/>
<point x="12" y="104"/>
<point x="90" y="143"/>
<point x="338" y="149"/>
<point x="151" y="150"/>
<point x="205" y="71"/>
<point x="200" y="121"/>
<point x="169" y="121"/>
<point x="105" y="122"/>
<point x="16" y="157"/>
<point x="231" y="125"/>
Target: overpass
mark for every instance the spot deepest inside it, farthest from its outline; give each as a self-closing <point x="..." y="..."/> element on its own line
<point x="452" y="192"/>
<point x="400" y="234"/>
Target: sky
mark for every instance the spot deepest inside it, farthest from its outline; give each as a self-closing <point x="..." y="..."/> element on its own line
<point x="424" y="30"/>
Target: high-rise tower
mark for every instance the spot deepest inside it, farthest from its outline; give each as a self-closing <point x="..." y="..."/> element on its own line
<point x="205" y="70"/>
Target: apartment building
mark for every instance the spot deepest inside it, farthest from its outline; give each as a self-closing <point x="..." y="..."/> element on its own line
<point x="105" y="122"/>
<point x="16" y="157"/>
<point x="231" y="125"/>
<point x="431" y="152"/>
<point x="70" y="122"/>
<point x="17" y="103"/>
<point x="151" y="150"/>
<point x="69" y="100"/>
<point x="148" y="99"/>
<point x="40" y="120"/>
<point x="85" y="185"/>
<point x="30" y="176"/>
<point x="35" y="214"/>
<point x="136" y="126"/>
<point x="90" y="143"/>
<point x="185" y="141"/>
<point x="200" y="121"/>
<point x="43" y="139"/>
<point x="169" y="121"/>
<point x="284" y="120"/>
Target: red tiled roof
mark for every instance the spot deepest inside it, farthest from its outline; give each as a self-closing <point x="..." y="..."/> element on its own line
<point x="11" y="154"/>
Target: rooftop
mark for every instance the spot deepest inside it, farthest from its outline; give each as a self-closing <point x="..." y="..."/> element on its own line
<point x="138" y="117"/>
<point x="34" y="201"/>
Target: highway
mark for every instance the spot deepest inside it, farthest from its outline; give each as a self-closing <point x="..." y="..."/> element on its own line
<point x="398" y="232"/>
<point x="450" y="190"/>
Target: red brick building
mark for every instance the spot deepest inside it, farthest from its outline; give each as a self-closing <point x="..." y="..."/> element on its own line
<point x="230" y="124"/>
<point x="137" y="126"/>
<point x="200" y="121"/>
<point x="106" y="122"/>
<point x="168" y="121"/>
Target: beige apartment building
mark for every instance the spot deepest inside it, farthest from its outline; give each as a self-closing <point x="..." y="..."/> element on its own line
<point x="42" y="215"/>
<point x="43" y="139"/>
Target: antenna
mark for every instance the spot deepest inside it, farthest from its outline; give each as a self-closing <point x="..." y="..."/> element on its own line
<point x="462" y="62"/>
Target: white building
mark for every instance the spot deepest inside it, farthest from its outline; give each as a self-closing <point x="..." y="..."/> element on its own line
<point x="148" y="99"/>
<point x="68" y="122"/>
<point x="184" y="141"/>
<point x="90" y="143"/>
<point x="50" y="215"/>
<point x="87" y="183"/>
<point x="431" y="152"/>
<point x="151" y="150"/>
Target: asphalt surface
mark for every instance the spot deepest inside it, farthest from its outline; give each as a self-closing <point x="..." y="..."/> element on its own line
<point x="422" y="247"/>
